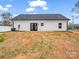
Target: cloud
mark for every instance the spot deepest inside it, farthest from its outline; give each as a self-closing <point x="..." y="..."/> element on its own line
<point x="75" y="14"/>
<point x="30" y="9"/>
<point x="15" y="15"/>
<point x="45" y="8"/>
<point x="5" y="8"/>
<point x="37" y="3"/>
<point x="8" y="6"/>
<point x="1" y="7"/>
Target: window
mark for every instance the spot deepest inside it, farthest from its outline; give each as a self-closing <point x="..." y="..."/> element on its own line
<point x="60" y="25"/>
<point x="42" y="24"/>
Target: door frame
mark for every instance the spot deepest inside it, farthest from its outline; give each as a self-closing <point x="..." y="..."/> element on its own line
<point x="33" y="26"/>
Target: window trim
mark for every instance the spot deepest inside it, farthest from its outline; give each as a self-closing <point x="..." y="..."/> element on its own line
<point x="59" y="25"/>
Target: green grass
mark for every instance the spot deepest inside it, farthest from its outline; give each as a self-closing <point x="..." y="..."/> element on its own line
<point x="73" y="28"/>
<point x="2" y="37"/>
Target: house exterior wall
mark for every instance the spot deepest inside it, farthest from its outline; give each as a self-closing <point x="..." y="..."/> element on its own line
<point x="49" y="25"/>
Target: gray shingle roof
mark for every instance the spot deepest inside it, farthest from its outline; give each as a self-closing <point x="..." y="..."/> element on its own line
<point x="40" y="17"/>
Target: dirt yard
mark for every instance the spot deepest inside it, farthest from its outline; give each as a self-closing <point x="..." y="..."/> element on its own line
<point x="40" y="45"/>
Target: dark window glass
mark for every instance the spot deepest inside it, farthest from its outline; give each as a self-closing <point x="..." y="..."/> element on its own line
<point x="42" y="24"/>
<point x="60" y="27"/>
<point x="60" y="23"/>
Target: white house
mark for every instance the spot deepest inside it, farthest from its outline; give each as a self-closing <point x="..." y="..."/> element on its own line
<point x="40" y="22"/>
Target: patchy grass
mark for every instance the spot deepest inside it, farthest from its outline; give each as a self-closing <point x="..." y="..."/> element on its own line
<point x="39" y="45"/>
<point x="44" y="48"/>
<point x="2" y="37"/>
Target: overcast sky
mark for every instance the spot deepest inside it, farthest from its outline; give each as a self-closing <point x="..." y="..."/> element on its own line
<point x="38" y="7"/>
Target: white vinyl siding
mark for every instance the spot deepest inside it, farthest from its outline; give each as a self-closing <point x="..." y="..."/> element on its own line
<point x="48" y="25"/>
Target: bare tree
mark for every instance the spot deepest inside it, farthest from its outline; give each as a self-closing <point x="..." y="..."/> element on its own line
<point x="75" y="13"/>
<point x="76" y="9"/>
<point x="6" y="18"/>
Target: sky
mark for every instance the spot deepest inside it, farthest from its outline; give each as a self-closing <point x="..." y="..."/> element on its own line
<point x="17" y="7"/>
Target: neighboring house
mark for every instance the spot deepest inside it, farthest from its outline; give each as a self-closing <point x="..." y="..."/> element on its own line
<point x="40" y="22"/>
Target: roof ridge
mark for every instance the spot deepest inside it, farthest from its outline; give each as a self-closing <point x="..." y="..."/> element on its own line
<point x="39" y="14"/>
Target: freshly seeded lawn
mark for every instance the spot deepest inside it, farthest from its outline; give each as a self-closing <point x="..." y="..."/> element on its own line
<point x="39" y="45"/>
